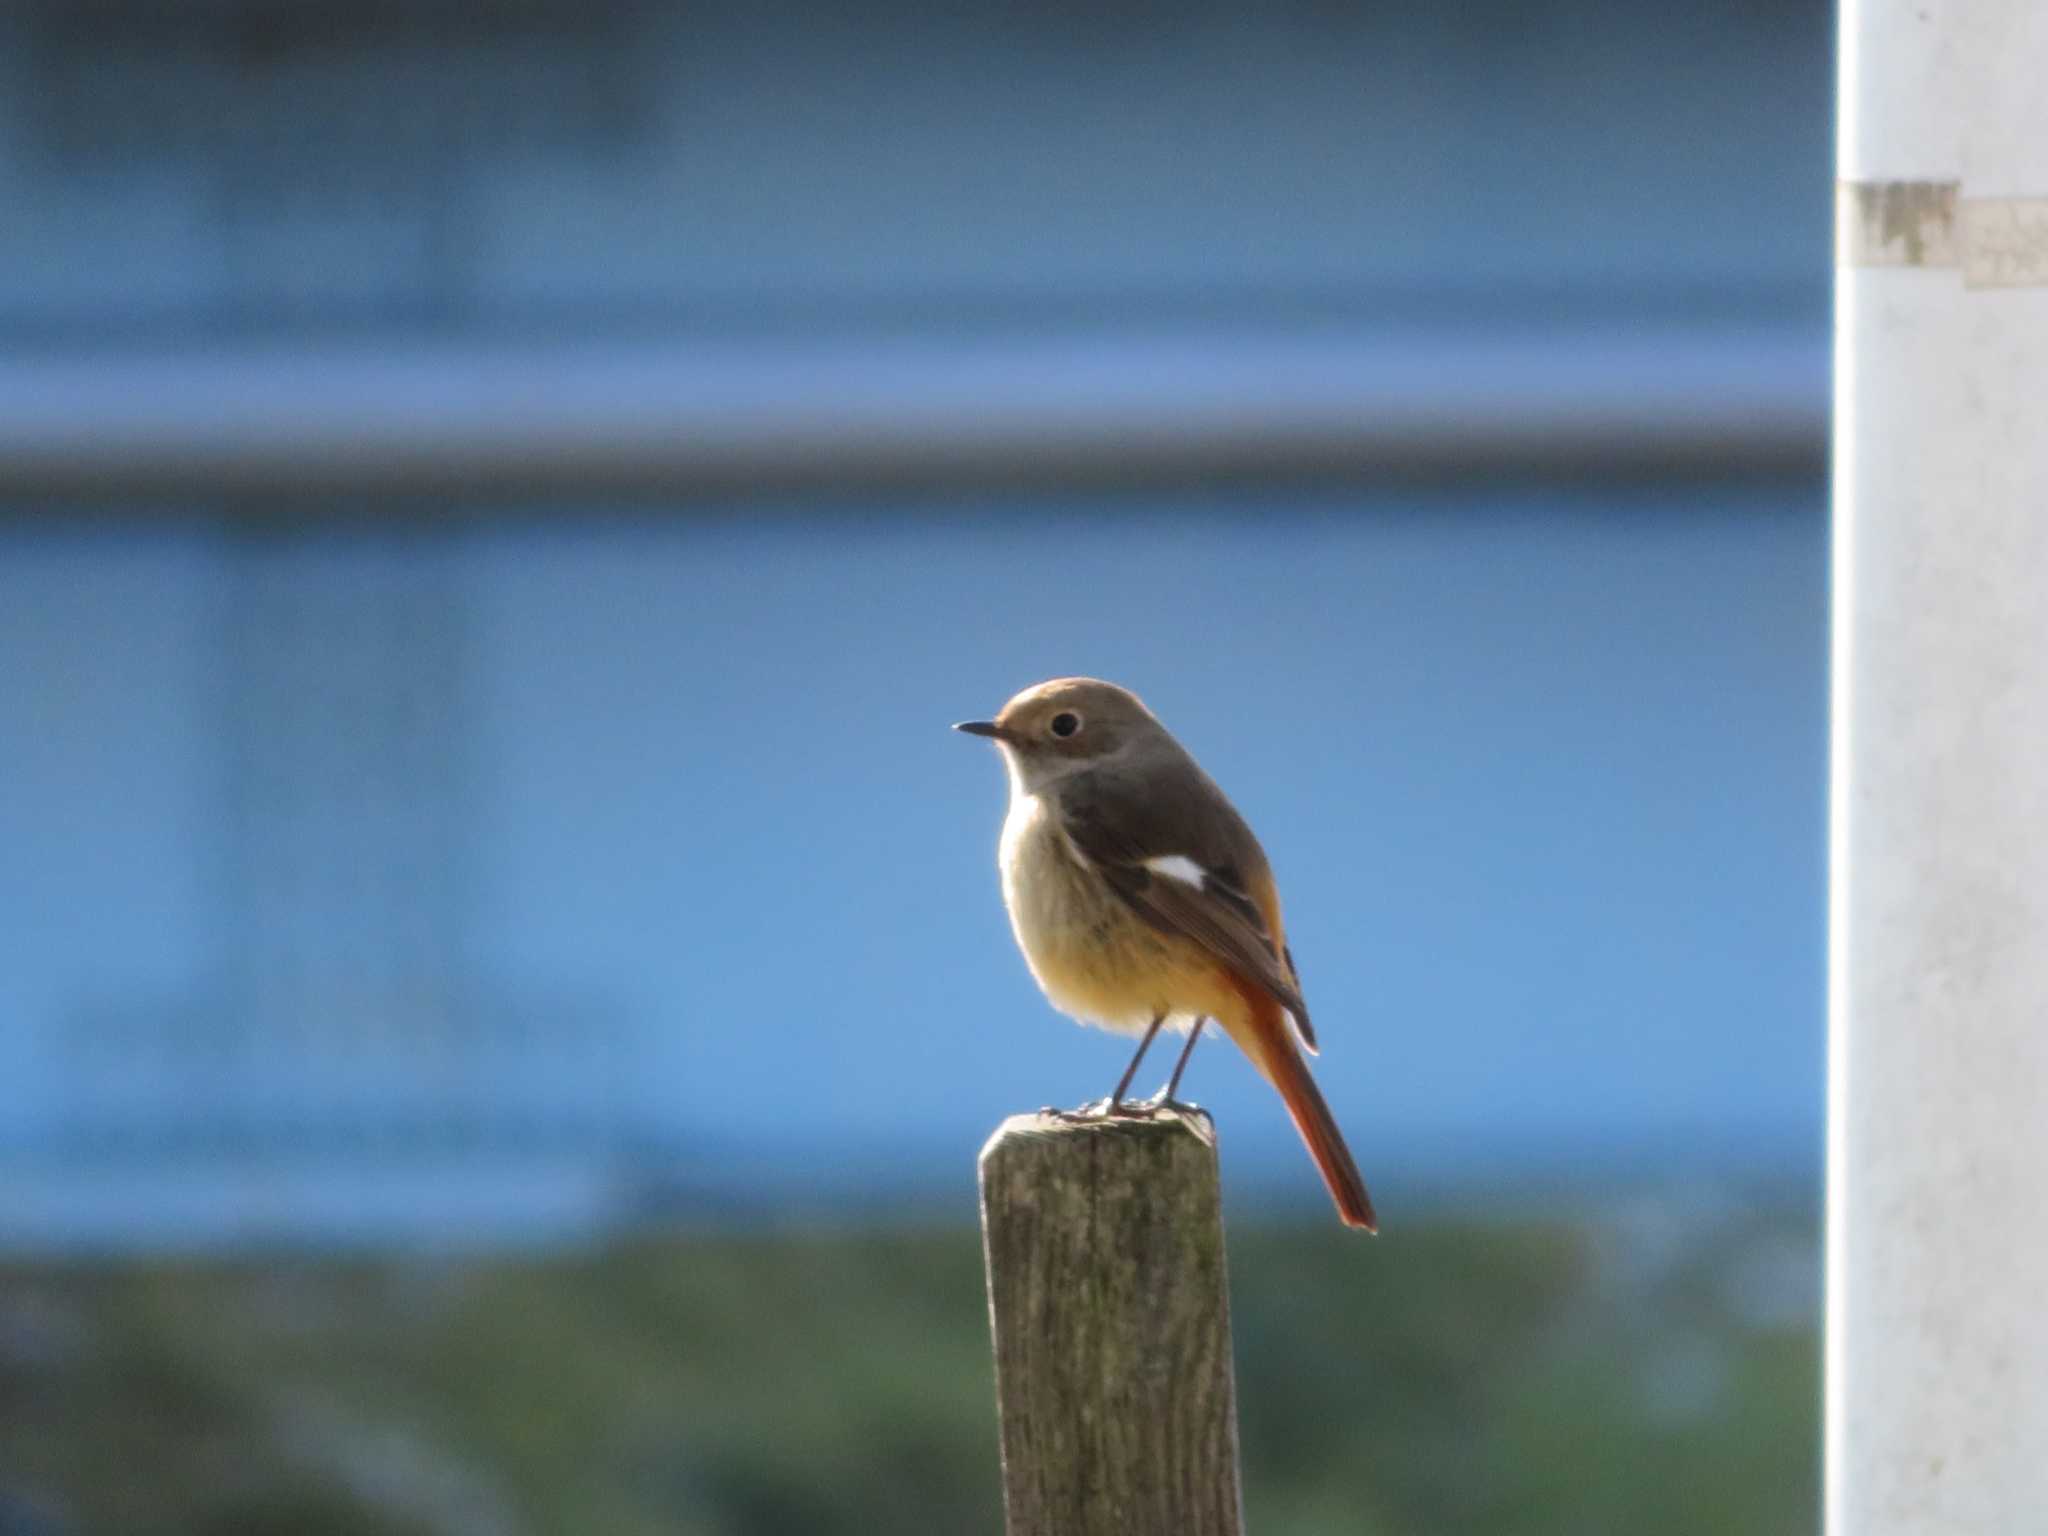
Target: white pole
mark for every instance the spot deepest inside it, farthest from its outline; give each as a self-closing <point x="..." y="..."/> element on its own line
<point x="1937" y="1358"/>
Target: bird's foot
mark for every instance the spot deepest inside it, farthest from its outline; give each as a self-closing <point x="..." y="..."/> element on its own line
<point x="1132" y="1109"/>
<point x="1079" y="1113"/>
<point x="1105" y="1109"/>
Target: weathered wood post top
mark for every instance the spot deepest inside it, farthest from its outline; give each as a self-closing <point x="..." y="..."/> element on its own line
<point x="1111" y="1313"/>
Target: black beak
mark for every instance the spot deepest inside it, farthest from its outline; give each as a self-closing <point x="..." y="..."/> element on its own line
<point x="986" y="728"/>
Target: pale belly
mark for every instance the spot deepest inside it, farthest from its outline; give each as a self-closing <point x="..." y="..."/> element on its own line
<point x="1091" y="954"/>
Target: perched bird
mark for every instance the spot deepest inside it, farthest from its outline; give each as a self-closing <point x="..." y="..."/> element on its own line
<point x="1139" y="896"/>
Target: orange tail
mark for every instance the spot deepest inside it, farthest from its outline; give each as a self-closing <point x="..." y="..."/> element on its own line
<point x="1273" y="1051"/>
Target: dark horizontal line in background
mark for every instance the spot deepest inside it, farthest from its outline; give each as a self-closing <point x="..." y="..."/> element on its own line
<point x="783" y="314"/>
<point x="720" y="414"/>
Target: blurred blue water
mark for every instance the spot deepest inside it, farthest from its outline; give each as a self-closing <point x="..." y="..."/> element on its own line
<point x="1540" y="770"/>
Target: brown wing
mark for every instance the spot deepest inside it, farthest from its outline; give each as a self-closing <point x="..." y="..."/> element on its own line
<point x="1118" y="823"/>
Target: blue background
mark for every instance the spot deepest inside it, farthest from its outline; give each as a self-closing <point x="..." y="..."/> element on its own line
<point x="392" y="848"/>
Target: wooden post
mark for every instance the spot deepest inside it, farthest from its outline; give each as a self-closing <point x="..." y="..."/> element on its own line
<point x="1111" y="1312"/>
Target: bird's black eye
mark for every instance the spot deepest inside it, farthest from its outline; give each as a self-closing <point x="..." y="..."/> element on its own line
<point x="1065" y="723"/>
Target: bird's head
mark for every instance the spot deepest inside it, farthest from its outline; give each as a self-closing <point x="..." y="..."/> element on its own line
<point x="1056" y="728"/>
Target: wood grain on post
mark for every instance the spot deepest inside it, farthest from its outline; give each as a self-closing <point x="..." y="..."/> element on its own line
<point x="1111" y="1311"/>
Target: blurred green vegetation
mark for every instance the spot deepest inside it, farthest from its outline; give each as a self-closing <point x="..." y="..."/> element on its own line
<point x="1654" y="1372"/>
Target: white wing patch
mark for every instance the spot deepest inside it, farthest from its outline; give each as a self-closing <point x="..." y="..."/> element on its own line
<point x="1178" y="866"/>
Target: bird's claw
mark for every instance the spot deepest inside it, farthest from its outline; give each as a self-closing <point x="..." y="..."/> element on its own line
<point x="1094" y="1109"/>
<point x="1126" y="1109"/>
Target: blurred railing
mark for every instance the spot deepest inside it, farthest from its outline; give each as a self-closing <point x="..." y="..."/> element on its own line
<point x="312" y="418"/>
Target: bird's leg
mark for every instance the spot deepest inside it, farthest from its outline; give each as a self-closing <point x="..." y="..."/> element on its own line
<point x="1164" y="1099"/>
<point x="1114" y="1105"/>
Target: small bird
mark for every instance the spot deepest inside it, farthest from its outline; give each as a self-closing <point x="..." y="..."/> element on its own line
<point x="1139" y="896"/>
